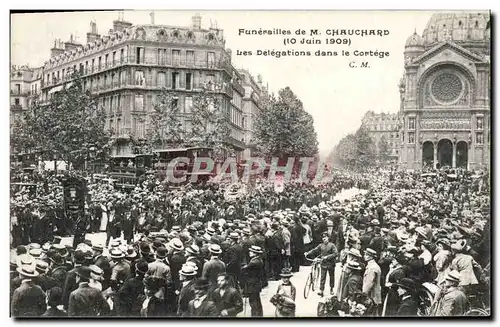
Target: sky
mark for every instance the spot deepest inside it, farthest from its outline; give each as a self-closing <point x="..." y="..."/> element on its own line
<point x="336" y="95"/>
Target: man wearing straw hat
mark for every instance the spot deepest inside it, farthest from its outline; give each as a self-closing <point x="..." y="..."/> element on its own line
<point x="28" y="300"/>
<point x="213" y="267"/>
<point x="187" y="291"/>
<point x="253" y="282"/>
<point x="450" y="300"/>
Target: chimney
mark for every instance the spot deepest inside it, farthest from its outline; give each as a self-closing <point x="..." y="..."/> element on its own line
<point x="71" y="45"/>
<point x="120" y="25"/>
<point x="57" y="49"/>
<point x="92" y="36"/>
<point x="196" y="22"/>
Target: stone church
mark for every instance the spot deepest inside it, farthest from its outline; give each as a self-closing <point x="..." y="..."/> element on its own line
<point x="445" y="93"/>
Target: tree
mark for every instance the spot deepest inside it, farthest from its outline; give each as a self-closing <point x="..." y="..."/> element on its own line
<point x="283" y="128"/>
<point x="210" y="124"/>
<point x="70" y="126"/>
<point x="355" y="151"/>
<point x="165" y="126"/>
<point x="383" y="149"/>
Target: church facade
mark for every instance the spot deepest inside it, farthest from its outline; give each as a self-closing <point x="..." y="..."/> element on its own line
<point x="445" y="94"/>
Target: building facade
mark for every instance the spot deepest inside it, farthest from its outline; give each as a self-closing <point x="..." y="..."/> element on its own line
<point x="130" y="65"/>
<point x="445" y="93"/>
<point x="384" y="126"/>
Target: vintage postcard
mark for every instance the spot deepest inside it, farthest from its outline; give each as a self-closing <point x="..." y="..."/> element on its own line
<point x="250" y="164"/>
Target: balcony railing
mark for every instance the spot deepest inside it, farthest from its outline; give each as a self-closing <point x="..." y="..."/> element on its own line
<point x="148" y="61"/>
<point x="20" y="93"/>
<point x="16" y="107"/>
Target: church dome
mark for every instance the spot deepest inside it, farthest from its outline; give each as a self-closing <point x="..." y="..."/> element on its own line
<point x="414" y="40"/>
<point x="458" y="27"/>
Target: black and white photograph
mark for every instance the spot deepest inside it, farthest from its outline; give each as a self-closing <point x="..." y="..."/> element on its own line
<point x="250" y="164"/>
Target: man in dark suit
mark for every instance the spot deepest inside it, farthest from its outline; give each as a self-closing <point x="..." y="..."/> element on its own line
<point x="57" y="270"/>
<point x="28" y="300"/>
<point x="227" y="298"/>
<point x="297" y="244"/>
<point x="275" y="248"/>
<point x="202" y="305"/>
<point x="128" y="295"/>
<point x="70" y="284"/>
<point x="86" y="301"/>
<point x="151" y="303"/>
<point x="186" y="292"/>
<point x="213" y="267"/>
<point x="234" y="258"/>
<point x="253" y="280"/>
<point x="193" y="253"/>
<point x="409" y="302"/>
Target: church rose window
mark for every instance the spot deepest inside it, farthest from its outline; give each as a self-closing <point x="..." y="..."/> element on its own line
<point x="446" y="87"/>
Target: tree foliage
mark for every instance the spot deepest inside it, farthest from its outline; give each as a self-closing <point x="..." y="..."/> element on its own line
<point x="355" y="151"/>
<point x="165" y="127"/>
<point x="70" y="126"/>
<point x="383" y="149"/>
<point x="283" y="128"/>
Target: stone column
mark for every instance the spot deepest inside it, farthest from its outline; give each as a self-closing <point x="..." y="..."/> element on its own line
<point x="454" y="157"/>
<point x="435" y="154"/>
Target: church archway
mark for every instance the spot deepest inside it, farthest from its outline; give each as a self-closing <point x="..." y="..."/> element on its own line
<point x="462" y="154"/>
<point x="428" y="154"/>
<point x="445" y="153"/>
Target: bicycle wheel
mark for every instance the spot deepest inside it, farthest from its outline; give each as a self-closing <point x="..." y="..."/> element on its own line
<point x="317" y="276"/>
<point x="313" y="278"/>
<point x="307" y="286"/>
<point x="477" y="312"/>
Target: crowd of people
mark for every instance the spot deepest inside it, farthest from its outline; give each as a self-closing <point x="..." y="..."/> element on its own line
<point x="409" y="245"/>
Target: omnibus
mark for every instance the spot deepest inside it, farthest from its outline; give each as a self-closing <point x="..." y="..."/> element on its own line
<point x="125" y="169"/>
<point x="165" y="156"/>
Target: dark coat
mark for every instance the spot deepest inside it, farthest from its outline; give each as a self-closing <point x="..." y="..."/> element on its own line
<point x="186" y="294"/>
<point x="206" y="309"/>
<point x="253" y="276"/>
<point x="28" y="300"/>
<point x="55" y="312"/>
<point x="297" y="238"/>
<point x="87" y="301"/>
<point x="408" y="307"/>
<point x="128" y="303"/>
<point x="353" y="284"/>
<point x="234" y="260"/>
<point x="69" y="286"/>
<point x="231" y="301"/>
<point x="275" y="244"/>
<point x="212" y="269"/>
<point x="58" y="275"/>
<point x="103" y="263"/>
<point x="176" y="261"/>
<point x="156" y="307"/>
<point x="328" y="252"/>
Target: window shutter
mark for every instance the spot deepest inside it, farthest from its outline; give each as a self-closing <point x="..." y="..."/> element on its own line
<point x="149" y="74"/>
<point x="169" y="79"/>
<point x="182" y="82"/>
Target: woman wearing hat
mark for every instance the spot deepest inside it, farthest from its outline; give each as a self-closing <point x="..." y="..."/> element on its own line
<point x="407" y="289"/>
<point x="464" y="264"/>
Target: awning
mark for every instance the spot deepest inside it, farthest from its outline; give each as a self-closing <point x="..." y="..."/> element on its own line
<point x="56" y="89"/>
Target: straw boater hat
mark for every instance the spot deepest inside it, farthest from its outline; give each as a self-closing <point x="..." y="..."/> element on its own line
<point x="176" y="244"/>
<point x="353" y="265"/>
<point x="192" y="264"/>
<point x="193" y="249"/>
<point x="131" y="253"/>
<point x="453" y="276"/>
<point x="187" y="270"/>
<point x="371" y="252"/>
<point x="96" y="272"/>
<point x="41" y="266"/>
<point x="116" y="254"/>
<point x="255" y="249"/>
<point x="234" y="236"/>
<point x="215" y="249"/>
<point x="355" y="252"/>
<point x="444" y="241"/>
<point x="459" y="246"/>
<point x="286" y="272"/>
<point x="27" y="271"/>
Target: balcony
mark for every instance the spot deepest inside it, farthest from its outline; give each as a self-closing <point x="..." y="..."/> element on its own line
<point x="20" y="93"/>
<point x="16" y="107"/>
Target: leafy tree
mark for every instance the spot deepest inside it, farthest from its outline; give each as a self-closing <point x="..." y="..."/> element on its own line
<point x="283" y="128"/>
<point x="383" y="149"/>
<point x="70" y="126"/>
<point x="355" y="151"/>
<point x="165" y="126"/>
<point x="210" y="124"/>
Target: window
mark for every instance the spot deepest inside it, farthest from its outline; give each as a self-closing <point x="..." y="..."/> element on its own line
<point x="411" y="123"/>
<point x="58" y="76"/>
<point x="161" y="81"/>
<point x="243" y="122"/>
<point x="411" y="137"/>
<point x="139" y="102"/>
<point x="162" y="56"/>
<point x="139" y="78"/>
<point x="92" y="67"/>
<point x="210" y="81"/>
<point x="139" y="55"/>
<point x="176" y="57"/>
<point x="111" y="108"/>
<point x="211" y="59"/>
<point x="110" y="124"/>
<point x="16" y="101"/>
<point x="106" y="60"/>
<point x="189" y="81"/>
<point x="118" y="103"/>
<point x="99" y="64"/>
<point x="86" y="67"/>
<point x="190" y="58"/>
<point x="479" y="138"/>
<point x="114" y="58"/>
<point x="18" y="88"/>
<point x="122" y="55"/>
<point x="113" y="79"/>
<point x="74" y="68"/>
<point x="175" y="103"/>
<point x="118" y="126"/>
<point x="188" y="103"/>
<point x="81" y="71"/>
<point x="397" y="152"/>
<point x="175" y="80"/>
<point x="479" y="123"/>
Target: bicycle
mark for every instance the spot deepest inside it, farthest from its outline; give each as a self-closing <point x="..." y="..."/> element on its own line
<point x="477" y="306"/>
<point x="313" y="277"/>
